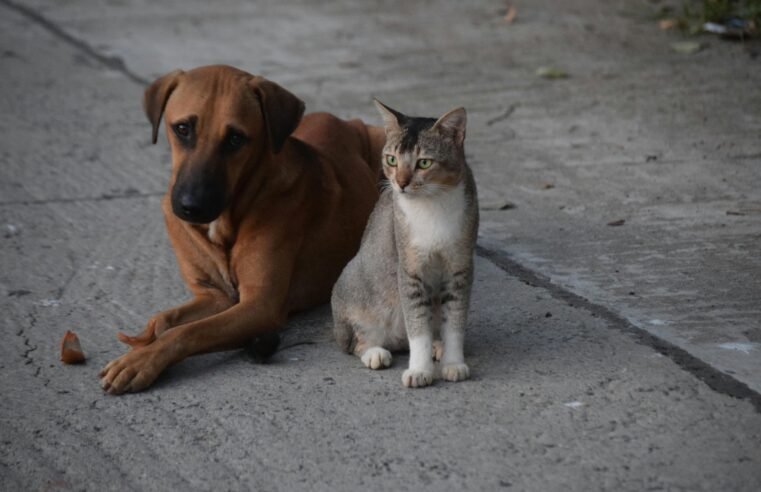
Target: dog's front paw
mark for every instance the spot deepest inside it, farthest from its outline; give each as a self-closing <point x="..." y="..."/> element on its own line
<point x="133" y="371"/>
<point x="455" y="372"/>
<point x="417" y="378"/>
<point x="376" y="358"/>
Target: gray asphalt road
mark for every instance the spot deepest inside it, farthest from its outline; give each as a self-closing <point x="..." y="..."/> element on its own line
<point x="604" y="358"/>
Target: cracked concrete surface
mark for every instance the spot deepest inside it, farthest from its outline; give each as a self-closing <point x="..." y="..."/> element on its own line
<point x="666" y="142"/>
<point x="568" y="390"/>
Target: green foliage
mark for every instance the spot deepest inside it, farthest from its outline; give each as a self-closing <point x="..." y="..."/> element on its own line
<point x="697" y="12"/>
<point x="720" y="10"/>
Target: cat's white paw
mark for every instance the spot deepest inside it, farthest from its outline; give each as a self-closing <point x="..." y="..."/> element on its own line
<point x="438" y="349"/>
<point x="416" y="378"/>
<point x="376" y="358"/>
<point x="455" y="372"/>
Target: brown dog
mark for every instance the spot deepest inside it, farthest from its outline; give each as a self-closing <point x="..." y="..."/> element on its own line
<point x="264" y="210"/>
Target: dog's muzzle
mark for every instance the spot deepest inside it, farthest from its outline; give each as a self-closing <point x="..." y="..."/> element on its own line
<point x="198" y="197"/>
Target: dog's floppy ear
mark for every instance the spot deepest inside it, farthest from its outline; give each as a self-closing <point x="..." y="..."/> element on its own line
<point x="282" y="110"/>
<point x="155" y="98"/>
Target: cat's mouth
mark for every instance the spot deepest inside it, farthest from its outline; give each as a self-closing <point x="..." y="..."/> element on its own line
<point x="425" y="190"/>
<point x="408" y="190"/>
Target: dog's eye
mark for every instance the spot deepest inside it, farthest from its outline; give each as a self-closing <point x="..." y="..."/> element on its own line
<point x="235" y="140"/>
<point x="182" y="130"/>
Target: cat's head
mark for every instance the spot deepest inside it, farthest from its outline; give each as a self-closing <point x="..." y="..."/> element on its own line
<point x="423" y="156"/>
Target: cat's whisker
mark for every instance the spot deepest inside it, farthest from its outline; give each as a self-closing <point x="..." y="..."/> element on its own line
<point x="431" y="189"/>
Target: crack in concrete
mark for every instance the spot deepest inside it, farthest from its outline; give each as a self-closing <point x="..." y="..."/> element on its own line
<point x="112" y="62"/>
<point x="505" y="115"/>
<point x="712" y="377"/>
<point x="101" y="198"/>
<point x="30" y="348"/>
<point x="26" y="355"/>
<point x="28" y="359"/>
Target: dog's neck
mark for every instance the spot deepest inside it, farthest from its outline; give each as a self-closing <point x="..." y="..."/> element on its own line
<point x="285" y="168"/>
<point x="220" y="230"/>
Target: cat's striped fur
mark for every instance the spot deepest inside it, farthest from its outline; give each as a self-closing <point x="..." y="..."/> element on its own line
<point x="409" y="285"/>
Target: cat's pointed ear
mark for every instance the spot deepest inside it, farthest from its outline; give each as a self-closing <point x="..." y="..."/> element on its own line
<point x="454" y="120"/>
<point x="391" y="119"/>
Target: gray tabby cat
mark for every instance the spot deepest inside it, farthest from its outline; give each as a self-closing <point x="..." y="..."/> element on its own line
<point x="409" y="285"/>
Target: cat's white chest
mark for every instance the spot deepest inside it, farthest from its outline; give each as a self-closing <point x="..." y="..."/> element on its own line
<point x="434" y="223"/>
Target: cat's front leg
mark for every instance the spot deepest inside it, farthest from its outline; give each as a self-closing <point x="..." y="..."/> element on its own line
<point x="454" y="318"/>
<point x="416" y="305"/>
<point x="420" y="372"/>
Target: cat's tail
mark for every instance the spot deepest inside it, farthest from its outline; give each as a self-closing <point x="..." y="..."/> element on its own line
<point x="344" y="334"/>
<point x="342" y="329"/>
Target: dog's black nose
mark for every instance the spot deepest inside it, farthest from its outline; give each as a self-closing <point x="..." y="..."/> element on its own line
<point x="198" y="197"/>
<point x="197" y="208"/>
<point x="189" y="207"/>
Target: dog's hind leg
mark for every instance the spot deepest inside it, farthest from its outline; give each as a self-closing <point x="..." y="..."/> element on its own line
<point x="201" y="306"/>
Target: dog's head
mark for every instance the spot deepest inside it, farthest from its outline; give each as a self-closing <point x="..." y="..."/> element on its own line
<point x="220" y="121"/>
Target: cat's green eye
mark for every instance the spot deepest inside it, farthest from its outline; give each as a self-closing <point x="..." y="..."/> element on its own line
<point x="424" y="163"/>
<point x="391" y="160"/>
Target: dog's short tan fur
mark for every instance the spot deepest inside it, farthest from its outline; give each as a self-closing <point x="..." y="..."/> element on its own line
<point x="294" y="200"/>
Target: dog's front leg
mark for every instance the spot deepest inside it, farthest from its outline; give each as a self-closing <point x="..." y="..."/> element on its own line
<point x="262" y="309"/>
<point x="233" y="328"/>
<point x="204" y="304"/>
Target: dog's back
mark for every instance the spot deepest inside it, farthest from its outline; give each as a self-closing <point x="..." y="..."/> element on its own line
<point x="336" y="138"/>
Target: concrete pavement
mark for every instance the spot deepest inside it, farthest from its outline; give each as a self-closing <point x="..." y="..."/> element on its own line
<point x="607" y="359"/>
